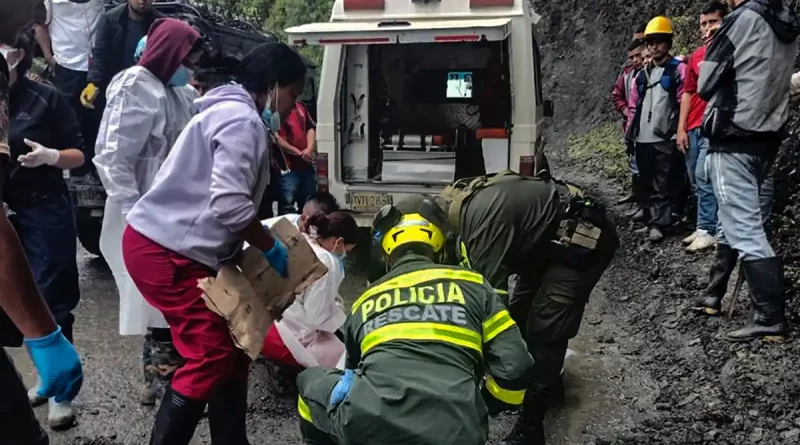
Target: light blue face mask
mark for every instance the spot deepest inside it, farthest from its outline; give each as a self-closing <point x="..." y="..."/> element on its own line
<point x="341" y="258"/>
<point x="181" y="77"/>
<point x="272" y="119"/>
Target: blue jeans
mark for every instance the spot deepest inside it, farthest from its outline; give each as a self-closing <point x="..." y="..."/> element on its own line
<point x="701" y="183"/>
<point x="48" y="236"/>
<point x="295" y="187"/>
<point x="744" y="188"/>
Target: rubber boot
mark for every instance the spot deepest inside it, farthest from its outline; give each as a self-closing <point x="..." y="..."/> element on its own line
<point x="631" y="197"/>
<point x="710" y="301"/>
<point x="177" y="419"/>
<point x="767" y="317"/>
<point x="227" y="412"/>
<point x="147" y="391"/>
<point x="529" y="428"/>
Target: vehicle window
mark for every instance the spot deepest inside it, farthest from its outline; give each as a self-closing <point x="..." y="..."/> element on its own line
<point x="537" y="69"/>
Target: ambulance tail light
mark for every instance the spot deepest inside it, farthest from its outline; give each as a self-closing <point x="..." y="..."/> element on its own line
<point x="322" y="172"/>
<point x="355" y="5"/>
<point x="526" y="164"/>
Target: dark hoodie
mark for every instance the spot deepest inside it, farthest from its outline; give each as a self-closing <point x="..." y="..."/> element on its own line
<point x="169" y="42"/>
<point x="745" y="78"/>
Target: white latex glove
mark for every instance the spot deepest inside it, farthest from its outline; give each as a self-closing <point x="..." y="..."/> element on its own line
<point x="40" y="155"/>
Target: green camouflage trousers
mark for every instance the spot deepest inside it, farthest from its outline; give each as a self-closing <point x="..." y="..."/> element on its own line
<point x="160" y="360"/>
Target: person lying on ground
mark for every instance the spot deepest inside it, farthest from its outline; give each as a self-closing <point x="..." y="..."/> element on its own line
<point x="318" y="202"/>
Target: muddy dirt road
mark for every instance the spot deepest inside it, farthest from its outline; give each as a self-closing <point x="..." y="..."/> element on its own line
<point x="646" y="371"/>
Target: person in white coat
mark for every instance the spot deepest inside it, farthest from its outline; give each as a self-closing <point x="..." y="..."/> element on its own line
<point x="318" y="202"/>
<point x="144" y="116"/>
<point x="306" y="335"/>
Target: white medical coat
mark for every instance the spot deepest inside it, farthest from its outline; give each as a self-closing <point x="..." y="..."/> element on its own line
<point x="308" y="326"/>
<point x="142" y="120"/>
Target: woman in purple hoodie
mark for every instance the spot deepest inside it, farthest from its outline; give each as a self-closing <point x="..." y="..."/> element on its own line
<point x="201" y="207"/>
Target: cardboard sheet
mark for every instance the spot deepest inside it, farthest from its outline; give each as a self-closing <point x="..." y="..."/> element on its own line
<point x="250" y="294"/>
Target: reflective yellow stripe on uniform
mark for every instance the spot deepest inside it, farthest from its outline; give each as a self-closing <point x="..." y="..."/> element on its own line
<point x="504" y="395"/>
<point x="417" y="278"/>
<point x="496" y="325"/>
<point x="423" y="331"/>
<point x="464" y="257"/>
<point x="302" y="408"/>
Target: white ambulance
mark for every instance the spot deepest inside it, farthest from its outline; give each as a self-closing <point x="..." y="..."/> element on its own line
<point x="415" y="94"/>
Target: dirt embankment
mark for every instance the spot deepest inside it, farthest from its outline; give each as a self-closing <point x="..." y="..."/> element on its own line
<point x="711" y="391"/>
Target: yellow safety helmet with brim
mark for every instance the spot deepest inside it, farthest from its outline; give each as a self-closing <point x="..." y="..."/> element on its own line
<point x="659" y="26"/>
<point x="413" y="228"/>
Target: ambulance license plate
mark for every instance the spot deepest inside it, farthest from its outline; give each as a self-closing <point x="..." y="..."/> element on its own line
<point x="367" y="202"/>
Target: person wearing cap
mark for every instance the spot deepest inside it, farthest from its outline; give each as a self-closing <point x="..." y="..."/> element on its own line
<point x="24" y="315"/>
<point x="431" y="350"/>
<point x="653" y="127"/>
<point x="144" y="118"/>
<point x="745" y="78"/>
<point x="558" y="242"/>
<point x="200" y="210"/>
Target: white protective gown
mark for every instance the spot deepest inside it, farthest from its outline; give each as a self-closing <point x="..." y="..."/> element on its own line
<point x="308" y="326"/>
<point x="142" y="120"/>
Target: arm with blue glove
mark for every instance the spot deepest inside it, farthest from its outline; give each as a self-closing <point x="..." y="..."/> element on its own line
<point x="58" y="365"/>
<point x="342" y="388"/>
<point x="275" y="251"/>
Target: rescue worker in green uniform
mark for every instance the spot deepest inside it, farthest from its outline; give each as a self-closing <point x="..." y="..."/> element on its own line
<point x="557" y="242"/>
<point x="431" y="350"/>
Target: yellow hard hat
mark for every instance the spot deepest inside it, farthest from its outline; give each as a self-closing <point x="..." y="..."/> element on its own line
<point x="659" y="25"/>
<point x="413" y="228"/>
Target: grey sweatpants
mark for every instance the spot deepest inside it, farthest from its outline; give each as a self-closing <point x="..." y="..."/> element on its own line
<point x="744" y="187"/>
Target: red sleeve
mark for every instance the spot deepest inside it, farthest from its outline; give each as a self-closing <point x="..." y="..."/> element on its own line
<point x="690" y="82"/>
<point x="618" y="94"/>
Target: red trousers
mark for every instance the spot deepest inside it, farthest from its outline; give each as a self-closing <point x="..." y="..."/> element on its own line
<point x="168" y="281"/>
<point x="276" y="351"/>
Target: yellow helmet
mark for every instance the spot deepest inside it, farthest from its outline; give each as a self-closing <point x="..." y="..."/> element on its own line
<point x="659" y="25"/>
<point x="413" y="228"/>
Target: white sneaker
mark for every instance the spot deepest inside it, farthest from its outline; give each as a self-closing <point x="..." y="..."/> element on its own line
<point x="34" y="398"/>
<point x="690" y="239"/>
<point x="702" y="242"/>
<point x="60" y="415"/>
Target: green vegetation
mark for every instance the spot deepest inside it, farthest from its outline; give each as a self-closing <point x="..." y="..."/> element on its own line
<point x="687" y="32"/>
<point x="602" y="149"/>
<point x="277" y="15"/>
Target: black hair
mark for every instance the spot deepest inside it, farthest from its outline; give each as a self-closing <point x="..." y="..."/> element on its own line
<point x="268" y="64"/>
<point x="25" y="43"/>
<point x="337" y="224"/>
<point x="202" y="75"/>
<point x="324" y="202"/>
<point x="715" y="7"/>
<point x="636" y="44"/>
<point x="640" y="28"/>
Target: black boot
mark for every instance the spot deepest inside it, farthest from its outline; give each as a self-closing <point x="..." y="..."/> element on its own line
<point x="767" y="317"/>
<point x="227" y="412"/>
<point x="710" y="301"/>
<point x="176" y="419"/>
<point x="633" y="195"/>
<point x="529" y="428"/>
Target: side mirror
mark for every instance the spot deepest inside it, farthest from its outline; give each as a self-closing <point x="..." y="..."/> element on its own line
<point x="549" y="108"/>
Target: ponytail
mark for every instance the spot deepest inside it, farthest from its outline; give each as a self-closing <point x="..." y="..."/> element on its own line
<point x="337" y="224"/>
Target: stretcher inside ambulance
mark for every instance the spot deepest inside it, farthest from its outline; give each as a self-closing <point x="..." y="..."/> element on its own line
<point x="414" y="95"/>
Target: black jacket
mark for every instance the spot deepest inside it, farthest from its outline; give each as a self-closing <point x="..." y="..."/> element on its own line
<point x="107" y="59"/>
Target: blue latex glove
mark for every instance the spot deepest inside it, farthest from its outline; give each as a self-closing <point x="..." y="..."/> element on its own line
<point x="342" y="387"/>
<point x="58" y="365"/>
<point x="278" y="258"/>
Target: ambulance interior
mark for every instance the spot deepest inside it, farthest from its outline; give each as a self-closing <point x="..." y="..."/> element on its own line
<point x="424" y="113"/>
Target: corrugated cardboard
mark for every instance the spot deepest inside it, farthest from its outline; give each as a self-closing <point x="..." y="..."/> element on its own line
<point x="250" y="295"/>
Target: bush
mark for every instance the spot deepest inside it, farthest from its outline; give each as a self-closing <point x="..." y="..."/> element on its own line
<point x="602" y="149"/>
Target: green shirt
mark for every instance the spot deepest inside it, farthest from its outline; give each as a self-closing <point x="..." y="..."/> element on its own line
<point x="420" y="340"/>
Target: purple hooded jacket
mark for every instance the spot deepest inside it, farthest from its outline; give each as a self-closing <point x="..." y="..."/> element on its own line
<point x="209" y="187"/>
